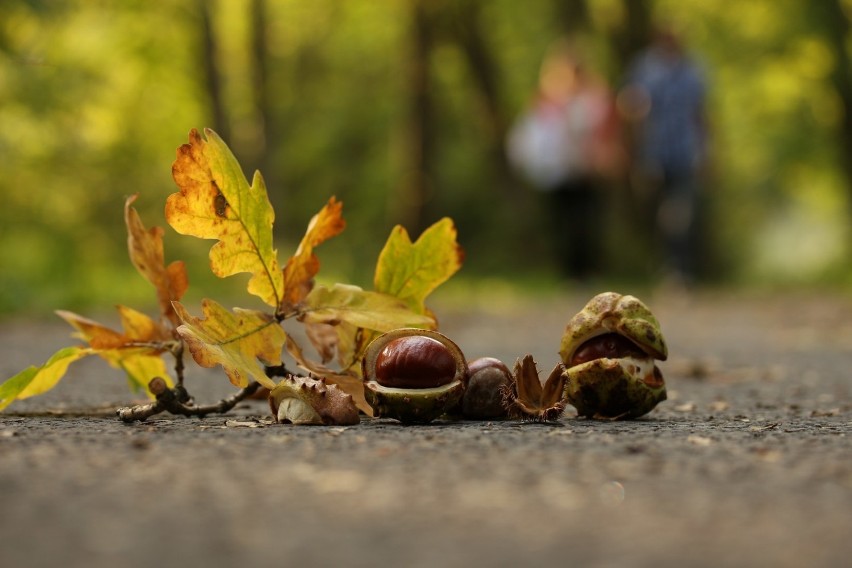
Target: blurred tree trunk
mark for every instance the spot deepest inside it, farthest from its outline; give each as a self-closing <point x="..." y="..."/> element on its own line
<point x="210" y="69"/>
<point x="834" y="25"/>
<point x="636" y="34"/>
<point x="259" y="155"/>
<point x="420" y="135"/>
<point x="573" y="15"/>
<point x="634" y="203"/>
<point x="485" y="74"/>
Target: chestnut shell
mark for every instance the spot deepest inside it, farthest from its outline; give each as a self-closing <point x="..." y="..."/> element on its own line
<point x="406" y="404"/>
<point x="609" y="348"/>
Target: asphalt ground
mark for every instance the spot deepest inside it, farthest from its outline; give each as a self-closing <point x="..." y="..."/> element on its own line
<point x="749" y="462"/>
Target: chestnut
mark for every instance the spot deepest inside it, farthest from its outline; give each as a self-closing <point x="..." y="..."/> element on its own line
<point x="486" y="380"/>
<point x="413" y="375"/>
<point x="415" y="362"/>
<point x="609" y="350"/>
<point x="608" y="345"/>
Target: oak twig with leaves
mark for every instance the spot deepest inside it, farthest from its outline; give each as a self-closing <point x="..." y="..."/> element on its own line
<point x="215" y="201"/>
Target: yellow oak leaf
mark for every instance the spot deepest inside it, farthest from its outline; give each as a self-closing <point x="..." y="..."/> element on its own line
<point x="304" y="265"/>
<point x="352" y="305"/>
<point x="411" y="271"/>
<point x="405" y="270"/>
<point x="237" y="341"/>
<point x="137" y="350"/>
<point x="140" y="331"/>
<point x="37" y="380"/>
<point x="215" y="201"/>
<point x="146" y="252"/>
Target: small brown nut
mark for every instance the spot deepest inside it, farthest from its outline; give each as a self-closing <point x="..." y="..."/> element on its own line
<point x="414" y="362"/>
<point x="606" y="346"/>
<point x="483" y="396"/>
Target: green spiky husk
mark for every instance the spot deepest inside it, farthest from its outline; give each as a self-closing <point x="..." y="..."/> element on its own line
<point x="614" y="389"/>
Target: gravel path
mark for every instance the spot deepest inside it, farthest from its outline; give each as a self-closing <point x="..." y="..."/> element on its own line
<point x="748" y="464"/>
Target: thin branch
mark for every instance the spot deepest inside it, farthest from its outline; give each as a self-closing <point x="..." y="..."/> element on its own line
<point x="177" y="401"/>
<point x="170" y="346"/>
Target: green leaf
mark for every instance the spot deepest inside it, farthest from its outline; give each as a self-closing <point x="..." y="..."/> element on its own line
<point x="236" y="341"/>
<point x="37" y="380"/>
<point x="216" y="202"/>
<point x="369" y="310"/>
<point x="412" y="271"/>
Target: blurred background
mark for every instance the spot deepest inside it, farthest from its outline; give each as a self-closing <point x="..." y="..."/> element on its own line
<point x="403" y="109"/>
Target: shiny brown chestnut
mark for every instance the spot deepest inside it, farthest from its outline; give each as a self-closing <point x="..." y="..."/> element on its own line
<point x="413" y="375"/>
<point x="414" y="362"/>
<point x="609" y="346"/>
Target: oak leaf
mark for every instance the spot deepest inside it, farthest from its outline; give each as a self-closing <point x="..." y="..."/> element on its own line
<point x="411" y="271"/>
<point x="237" y="341"/>
<point x="145" y="247"/>
<point x="304" y="265"/>
<point x="37" y="380"/>
<point x="137" y="350"/>
<point x="360" y="308"/>
<point x="215" y="201"/>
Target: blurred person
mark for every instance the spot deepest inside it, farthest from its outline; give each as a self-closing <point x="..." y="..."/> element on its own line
<point x="664" y="99"/>
<point x="564" y="144"/>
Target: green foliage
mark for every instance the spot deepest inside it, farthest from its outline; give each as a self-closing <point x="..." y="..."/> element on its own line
<point x="90" y="93"/>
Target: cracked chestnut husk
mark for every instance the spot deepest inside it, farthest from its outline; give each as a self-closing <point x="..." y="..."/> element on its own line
<point x="609" y="350"/>
<point x="308" y="401"/>
<point x="413" y="375"/>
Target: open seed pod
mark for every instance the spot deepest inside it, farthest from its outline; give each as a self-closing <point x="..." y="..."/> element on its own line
<point x="530" y="400"/>
<point x="304" y="400"/>
<point x="609" y="349"/>
<point x="413" y="375"/>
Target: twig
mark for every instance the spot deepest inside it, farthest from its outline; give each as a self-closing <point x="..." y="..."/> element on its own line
<point x="179" y="367"/>
<point x="177" y="401"/>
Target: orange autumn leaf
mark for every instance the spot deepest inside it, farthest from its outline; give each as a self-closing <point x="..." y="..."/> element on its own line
<point x="136" y="350"/>
<point x="304" y="265"/>
<point x="215" y="201"/>
<point x="145" y="247"/>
